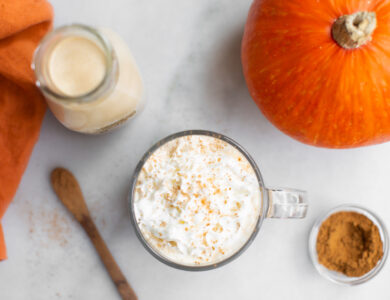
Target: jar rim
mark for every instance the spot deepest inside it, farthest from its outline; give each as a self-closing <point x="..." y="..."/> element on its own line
<point x="262" y="212"/>
<point x="75" y="29"/>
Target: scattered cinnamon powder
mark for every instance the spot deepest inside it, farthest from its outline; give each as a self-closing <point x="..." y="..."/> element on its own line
<point x="350" y="243"/>
<point x="58" y="228"/>
<point x="49" y="223"/>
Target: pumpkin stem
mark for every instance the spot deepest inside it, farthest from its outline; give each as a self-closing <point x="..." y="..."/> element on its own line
<point x="355" y="30"/>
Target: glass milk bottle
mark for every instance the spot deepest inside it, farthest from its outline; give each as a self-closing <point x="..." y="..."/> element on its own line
<point x="89" y="78"/>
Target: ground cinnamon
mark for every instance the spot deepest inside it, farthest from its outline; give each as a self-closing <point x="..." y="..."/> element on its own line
<point x="350" y="243"/>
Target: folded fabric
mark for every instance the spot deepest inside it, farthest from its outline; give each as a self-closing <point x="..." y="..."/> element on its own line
<point x="22" y="24"/>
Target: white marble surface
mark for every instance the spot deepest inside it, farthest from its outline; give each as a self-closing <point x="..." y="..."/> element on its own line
<point x="189" y="54"/>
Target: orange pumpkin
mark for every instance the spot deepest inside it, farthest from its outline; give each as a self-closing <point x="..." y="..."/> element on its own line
<point x="320" y="69"/>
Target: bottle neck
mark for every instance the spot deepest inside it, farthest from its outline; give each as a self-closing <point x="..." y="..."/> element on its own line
<point x="55" y="73"/>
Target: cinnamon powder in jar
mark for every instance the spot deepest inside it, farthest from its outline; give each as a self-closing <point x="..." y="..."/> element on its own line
<point x="350" y="243"/>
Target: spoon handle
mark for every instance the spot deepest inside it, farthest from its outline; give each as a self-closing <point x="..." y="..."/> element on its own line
<point x="116" y="274"/>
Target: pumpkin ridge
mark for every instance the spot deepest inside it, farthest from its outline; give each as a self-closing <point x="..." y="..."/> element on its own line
<point x="381" y="104"/>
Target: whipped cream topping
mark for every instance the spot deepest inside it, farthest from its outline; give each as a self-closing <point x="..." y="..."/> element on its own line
<point x="197" y="200"/>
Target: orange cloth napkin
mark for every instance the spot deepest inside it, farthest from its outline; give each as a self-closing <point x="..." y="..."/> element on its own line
<point x="22" y="24"/>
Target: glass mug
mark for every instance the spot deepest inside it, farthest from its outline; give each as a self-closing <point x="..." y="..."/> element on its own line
<point x="275" y="203"/>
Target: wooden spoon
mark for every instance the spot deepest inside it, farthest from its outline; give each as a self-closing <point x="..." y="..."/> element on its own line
<point x="68" y="190"/>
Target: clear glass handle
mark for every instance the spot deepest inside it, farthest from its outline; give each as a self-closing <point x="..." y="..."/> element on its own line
<point x="287" y="203"/>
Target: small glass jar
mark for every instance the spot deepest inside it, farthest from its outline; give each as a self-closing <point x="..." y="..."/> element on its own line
<point x="339" y="277"/>
<point x="115" y="98"/>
